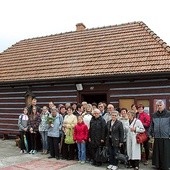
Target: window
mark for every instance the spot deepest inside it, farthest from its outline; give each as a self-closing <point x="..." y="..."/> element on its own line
<point x="126" y="103"/>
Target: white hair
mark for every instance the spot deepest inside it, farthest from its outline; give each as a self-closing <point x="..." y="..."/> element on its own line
<point x="96" y="111"/>
<point x="160" y="102"/>
<point x="115" y="112"/>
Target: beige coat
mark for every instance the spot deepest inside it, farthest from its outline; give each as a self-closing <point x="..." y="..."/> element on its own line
<point x="69" y="122"/>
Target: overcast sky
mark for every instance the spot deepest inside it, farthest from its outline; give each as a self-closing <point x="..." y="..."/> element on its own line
<point x="22" y="19"/>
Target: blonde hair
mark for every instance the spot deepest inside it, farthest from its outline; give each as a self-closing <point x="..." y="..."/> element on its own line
<point x="131" y="112"/>
<point x="89" y="106"/>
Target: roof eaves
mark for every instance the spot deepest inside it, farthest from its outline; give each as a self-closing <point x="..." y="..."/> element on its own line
<point x="106" y="77"/>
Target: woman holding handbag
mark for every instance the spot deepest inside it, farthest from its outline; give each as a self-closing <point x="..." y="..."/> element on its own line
<point x="133" y="148"/>
<point x="145" y="119"/>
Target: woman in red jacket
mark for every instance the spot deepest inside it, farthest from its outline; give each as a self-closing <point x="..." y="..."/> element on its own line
<point x="81" y="136"/>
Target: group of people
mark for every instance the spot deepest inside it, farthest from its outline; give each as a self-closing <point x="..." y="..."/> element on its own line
<point x="77" y="131"/>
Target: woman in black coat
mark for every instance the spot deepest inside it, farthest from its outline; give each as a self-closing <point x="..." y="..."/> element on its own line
<point x="97" y="134"/>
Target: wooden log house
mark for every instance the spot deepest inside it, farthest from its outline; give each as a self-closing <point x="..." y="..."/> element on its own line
<point x="120" y="64"/>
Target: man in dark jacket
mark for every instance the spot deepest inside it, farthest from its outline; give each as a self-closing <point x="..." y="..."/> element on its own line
<point x="160" y="130"/>
<point x="97" y="134"/>
<point x="34" y="104"/>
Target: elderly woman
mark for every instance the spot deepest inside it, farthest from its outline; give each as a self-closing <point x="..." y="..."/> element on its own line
<point x="55" y="124"/>
<point x="115" y="138"/>
<point x="133" y="148"/>
<point x="97" y="133"/>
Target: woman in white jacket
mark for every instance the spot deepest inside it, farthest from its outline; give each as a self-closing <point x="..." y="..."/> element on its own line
<point x="133" y="148"/>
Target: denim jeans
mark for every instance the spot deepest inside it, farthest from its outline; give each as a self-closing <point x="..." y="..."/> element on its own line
<point x="44" y="139"/>
<point x="81" y="151"/>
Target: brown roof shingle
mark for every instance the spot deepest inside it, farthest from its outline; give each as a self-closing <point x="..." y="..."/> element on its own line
<point x="120" y="49"/>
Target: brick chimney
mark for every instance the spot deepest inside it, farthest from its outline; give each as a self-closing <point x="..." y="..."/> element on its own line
<point x="80" y="27"/>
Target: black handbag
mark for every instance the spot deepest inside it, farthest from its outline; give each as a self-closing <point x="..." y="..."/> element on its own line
<point x="122" y="157"/>
<point x="102" y="154"/>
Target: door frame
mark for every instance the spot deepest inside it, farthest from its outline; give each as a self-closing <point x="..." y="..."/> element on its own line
<point x="93" y="93"/>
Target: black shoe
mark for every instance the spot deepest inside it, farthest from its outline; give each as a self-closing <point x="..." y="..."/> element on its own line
<point x="129" y="166"/>
<point x="50" y="157"/>
<point x="57" y="157"/>
<point x="98" y="164"/>
<point x="93" y="163"/>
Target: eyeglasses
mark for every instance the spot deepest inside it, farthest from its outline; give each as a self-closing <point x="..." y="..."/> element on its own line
<point x="114" y="115"/>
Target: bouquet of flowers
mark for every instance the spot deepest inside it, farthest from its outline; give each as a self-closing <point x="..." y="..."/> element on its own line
<point x="50" y="121"/>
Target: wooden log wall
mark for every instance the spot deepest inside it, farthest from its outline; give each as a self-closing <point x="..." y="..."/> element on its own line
<point x="12" y="102"/>
<point x="140" y="90"/>
<point x="12" y="99"/>
<point x="137" y="90"/>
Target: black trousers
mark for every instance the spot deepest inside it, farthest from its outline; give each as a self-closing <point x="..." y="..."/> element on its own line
<point x="54" y="146"/>
<point x="134" y="163"/>
<point x="33" y="141"/>
<point x="88" y="151"/>
<point x="68" y="151"/>
<point x="22" y="145"/>
<point x="146" y="147"/>
<point x="161" y="153"/>
<point x="93" y="154"/>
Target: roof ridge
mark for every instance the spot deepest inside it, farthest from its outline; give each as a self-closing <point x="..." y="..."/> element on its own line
<point x="88" y="29"/>
<point x="141" y="23"/>
<point x="155" y="36"/>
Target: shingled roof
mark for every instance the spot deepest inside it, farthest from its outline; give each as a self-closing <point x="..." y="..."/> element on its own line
<point x="124" y="49"/>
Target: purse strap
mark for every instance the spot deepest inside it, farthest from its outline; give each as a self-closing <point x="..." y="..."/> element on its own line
<point x="134" y="122"/>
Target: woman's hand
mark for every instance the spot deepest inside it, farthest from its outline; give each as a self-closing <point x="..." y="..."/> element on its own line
<point x="132" y="129"/>
<point x="120" y="144"/>
<point x="31" y="130"/>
